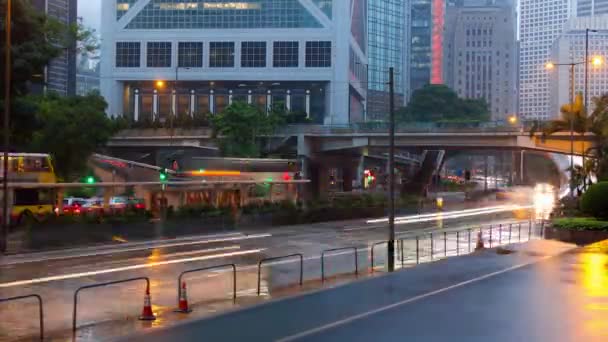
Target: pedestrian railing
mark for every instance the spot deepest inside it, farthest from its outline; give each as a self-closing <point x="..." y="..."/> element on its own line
<point x="40" y="309"/>
<point x="207" y="269"/>
<point x="333" y="250"/>
<point x="75" y="312"/>
<point x="372" y="260"/>
<point x="267" y="260"/>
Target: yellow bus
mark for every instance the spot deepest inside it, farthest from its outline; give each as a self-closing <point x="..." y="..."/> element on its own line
<point x="29" y="203"/>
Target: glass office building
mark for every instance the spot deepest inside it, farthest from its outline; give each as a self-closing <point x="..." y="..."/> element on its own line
<point x="210" y="53"/>
<point x="421" y="34"/>
<point x="388" y="43"/>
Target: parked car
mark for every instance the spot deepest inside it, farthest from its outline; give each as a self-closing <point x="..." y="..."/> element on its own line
<point x="93" y="205"/>
<point x="73" y="205"/>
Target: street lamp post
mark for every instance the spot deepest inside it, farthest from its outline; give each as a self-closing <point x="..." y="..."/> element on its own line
<point x="551" y="66"/>
<point x="6" y="130"/>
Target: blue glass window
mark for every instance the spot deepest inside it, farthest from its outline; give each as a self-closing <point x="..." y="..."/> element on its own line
<point x="128" y="54"/>
<point x="253" y="54"/>
<point x="221" y="55"/>
<point x="159" y="55"/>
<point x="190" y="55"/>
<point x="318" y="54"/>
<point x="220" y="14"/>
<point x="122" y="6"/>
<point x="286" y="55"/>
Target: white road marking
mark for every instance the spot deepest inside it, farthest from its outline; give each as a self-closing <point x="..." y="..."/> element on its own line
<point x="134" y="249"/>
<point x="127" y="268"/>
<point x="200" y="251"/>
<point x="407" y="301"/>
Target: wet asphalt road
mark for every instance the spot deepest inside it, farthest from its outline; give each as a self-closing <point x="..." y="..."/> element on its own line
<point x="546" y="291"/>
<point x="56" y="275"/>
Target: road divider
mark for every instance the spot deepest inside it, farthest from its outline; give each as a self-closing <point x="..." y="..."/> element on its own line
<point x="181" y="285"/>
<point x="268" y="260"/>
<point x="40" y="309"/>
<point x="147" y="314"/>
<point x="325" y="252"/>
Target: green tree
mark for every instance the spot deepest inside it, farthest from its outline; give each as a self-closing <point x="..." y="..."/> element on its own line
<point x="434" y="103"/>
<point x="36" y="39"/>
<point x="240" y="127"/>
<point x="73" y="128"/>
<point x="574" y="116"/>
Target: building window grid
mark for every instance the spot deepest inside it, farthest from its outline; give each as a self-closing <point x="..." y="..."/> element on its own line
<point x="158" y="54"/>
<point x="253" y="54"/>
<point x="190" y="55"/>
<point x="286" y="54"/>
<point x="318" y="54"/>
<point x="221" y="55"/>
<point x="128" y="54"/>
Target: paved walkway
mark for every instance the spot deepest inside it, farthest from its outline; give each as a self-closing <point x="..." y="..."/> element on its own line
<point x="546" y="291"/>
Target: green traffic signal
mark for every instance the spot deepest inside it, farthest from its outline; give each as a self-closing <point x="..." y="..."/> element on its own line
<point x="90" y="180"/>
<point x="163" y="175"/>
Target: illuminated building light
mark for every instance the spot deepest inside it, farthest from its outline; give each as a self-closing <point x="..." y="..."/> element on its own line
<point x="214" y="173"/>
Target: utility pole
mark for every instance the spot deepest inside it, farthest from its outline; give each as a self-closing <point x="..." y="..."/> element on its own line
<point x="7" y="113"/>
<point x="391" y="181"/>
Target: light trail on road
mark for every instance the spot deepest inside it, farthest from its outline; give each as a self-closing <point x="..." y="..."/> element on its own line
<point x="128" y="268"/>
<point x="445" y="216"/>
<point x="472" y="212"/>
<point x="151" y="245"/>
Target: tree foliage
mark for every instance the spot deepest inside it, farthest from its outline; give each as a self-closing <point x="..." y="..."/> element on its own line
<point x="36" y="40"/>
<point x="70" y="129"/>
<point x="240" y="127"/>
<point x="435" y="103"/>
<point x="574" y="116"/>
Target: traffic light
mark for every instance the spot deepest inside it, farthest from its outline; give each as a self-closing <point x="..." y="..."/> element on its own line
<point x="90" y="180"/>
<point x="163" y="176"/>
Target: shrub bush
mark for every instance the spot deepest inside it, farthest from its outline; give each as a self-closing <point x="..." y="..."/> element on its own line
<point x="580" y="223"/>
<point x="595" y="200"/>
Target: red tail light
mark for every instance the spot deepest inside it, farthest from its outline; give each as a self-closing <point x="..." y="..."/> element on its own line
<point x="140" y="206"/>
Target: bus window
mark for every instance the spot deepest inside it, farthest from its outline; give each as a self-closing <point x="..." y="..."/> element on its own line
<point x="36" y="164"/>
<point x="33" y="197"/>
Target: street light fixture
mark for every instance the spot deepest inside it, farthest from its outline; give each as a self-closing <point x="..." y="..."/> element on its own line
<point x="513" y="119"/>
<point x="160" y="84"/>
<point x="597" y="61"/>
<point x="550" y="66"/>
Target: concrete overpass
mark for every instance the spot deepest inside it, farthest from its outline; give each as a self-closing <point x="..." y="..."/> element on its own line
<point x="322" y="149"/>
<point x="318" y="139"/>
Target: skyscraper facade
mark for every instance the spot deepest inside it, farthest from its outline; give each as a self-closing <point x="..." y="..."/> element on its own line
<point x="60" y="75"/>
<point x="420" y="48"/>
<point x="388" y="44"/>
<point x="480" y="56"/>
<point x="588" y="8"/>
<point x="570" y="46"/>
<point x="541" y="22"/>
<point x="198" y="56"/>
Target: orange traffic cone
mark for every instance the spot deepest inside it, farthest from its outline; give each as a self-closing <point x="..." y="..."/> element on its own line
<point x="147" y="314"/>
<point x="479" y="246"/>
<point x="183" y="300"/>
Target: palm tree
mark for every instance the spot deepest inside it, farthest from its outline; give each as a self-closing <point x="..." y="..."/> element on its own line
<point x="574" y="116"/>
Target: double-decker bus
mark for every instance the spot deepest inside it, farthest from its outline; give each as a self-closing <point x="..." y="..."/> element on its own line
<point x="29" y="203"/>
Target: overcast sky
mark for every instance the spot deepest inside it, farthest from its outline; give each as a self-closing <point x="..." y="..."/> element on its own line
<point x="90" y="11"/>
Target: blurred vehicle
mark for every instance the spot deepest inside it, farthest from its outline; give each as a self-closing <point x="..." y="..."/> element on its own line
<point x="118" y="202"/>
<point x="123" y="203"/>
<point x="93" y="205"/>
<point x="29" y="202"/>
<point x="136" y="204"/>
<point x="73" y="205"/>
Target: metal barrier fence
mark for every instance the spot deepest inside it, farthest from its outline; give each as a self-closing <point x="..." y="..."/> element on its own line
<point x="179" y="279"/>
<point x="299" y="255"/>
<point x="355" y="251"/>
<point x="372" y="253"/>
<point x="40" y="307"/>
<point x="74" y="314"/>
